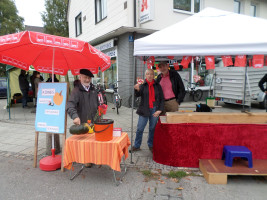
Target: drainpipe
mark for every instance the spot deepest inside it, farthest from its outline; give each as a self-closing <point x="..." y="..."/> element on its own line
<point x="134" y="12"/>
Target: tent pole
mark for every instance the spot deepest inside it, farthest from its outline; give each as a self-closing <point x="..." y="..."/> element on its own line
<point x="244" y="97"/>
<point x="134" y="70"/>
<point x="8" y="94"/>
<point x="192" y="72"/>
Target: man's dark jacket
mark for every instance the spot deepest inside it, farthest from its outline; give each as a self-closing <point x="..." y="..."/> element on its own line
<point x="177" y="85"/>
<point x="261" y="83"/>
<point x="143" y="108"/>
<point x="83" y="104"/>
<point x="23" y="82"/>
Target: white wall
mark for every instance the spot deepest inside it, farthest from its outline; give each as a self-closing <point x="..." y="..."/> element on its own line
<point x="164" y="16"/>
<point x="116" y="17"/>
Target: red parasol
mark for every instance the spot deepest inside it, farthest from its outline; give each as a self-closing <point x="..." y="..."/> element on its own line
<point x="46" y="52"/>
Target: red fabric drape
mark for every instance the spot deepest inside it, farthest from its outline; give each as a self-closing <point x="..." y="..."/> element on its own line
<point x="210" y="62"/>
<point x="227" y="60"/>
<point x="186" y="60"/>
<point x="240" y="61"/>
<point x="182" y="145"/>
<point x="258" y="61"/>
<point x="176" y="66"/>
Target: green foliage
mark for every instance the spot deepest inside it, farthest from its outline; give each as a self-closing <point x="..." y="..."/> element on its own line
<point x="147" y="173"/>
<point x="177" y="174"/>
<point x="55" y="17"/>
<point x="10" y="21"/>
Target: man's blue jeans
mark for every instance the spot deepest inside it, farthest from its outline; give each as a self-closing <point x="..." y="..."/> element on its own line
<point x="24" y="97"/>
<point x="142" y="121"/>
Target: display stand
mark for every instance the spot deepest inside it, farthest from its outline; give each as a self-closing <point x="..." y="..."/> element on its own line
<point x="51" y="118"/>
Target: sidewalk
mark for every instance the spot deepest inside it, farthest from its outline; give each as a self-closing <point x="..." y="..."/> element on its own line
<point x="18" y="133"/>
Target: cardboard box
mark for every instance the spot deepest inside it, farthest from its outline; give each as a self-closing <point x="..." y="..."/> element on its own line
<point x="117" y="132"/>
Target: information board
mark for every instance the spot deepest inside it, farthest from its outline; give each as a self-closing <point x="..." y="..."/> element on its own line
<point x="51" y="106"/>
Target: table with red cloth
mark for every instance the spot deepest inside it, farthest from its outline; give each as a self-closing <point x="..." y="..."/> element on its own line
<point x="182" y="145"/>
<point x="85" y="149"/>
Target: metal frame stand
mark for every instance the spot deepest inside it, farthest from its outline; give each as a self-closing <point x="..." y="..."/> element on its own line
<point x="77" y="173"/>
<point x="117" y="180"/>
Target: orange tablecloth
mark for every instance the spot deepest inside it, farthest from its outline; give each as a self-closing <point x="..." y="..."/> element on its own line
<point x="85" y="149"/>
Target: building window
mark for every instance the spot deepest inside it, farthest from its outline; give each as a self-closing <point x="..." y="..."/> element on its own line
<point x="192" y="6"/>
<point x="253" y="10"/>
<point x="100" y="10"/>
<point x="237" y="6"/>
<point x="78" y="24"/>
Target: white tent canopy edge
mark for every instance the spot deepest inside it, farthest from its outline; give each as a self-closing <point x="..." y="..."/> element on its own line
<point x="209" y="32"/>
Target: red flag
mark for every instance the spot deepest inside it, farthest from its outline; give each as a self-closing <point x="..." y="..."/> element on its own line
<point x="186" y="60"/>
<point x="170" y="57"/>
<point x="149" y="64"/>
<point x="210" y="62"/>
<point x="240" y="61"/>
<point x="257" y="61"/>
<point x="176" y="66"/>
<point x="227" y="60"/>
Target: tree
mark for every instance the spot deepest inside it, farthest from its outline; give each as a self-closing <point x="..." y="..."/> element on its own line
<point x="55" y="17"/>
<point x="10" y="22"/>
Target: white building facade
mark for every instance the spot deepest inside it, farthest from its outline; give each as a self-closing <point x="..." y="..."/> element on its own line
<point x="113" y="25"/>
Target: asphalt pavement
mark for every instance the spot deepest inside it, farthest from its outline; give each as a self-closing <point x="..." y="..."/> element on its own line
<point x="19" y="180"/>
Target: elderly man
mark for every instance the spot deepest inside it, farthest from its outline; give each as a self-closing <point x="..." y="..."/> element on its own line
<point x="83" y="102"/>
<point x="172" y="86"/>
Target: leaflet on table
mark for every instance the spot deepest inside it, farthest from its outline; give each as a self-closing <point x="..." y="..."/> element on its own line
<point x="51" y="103"/>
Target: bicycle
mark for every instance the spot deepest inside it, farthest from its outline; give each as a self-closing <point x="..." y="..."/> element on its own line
<point x="191" y="89"/>
<point x="102" y="99"/>
<point x="116" y="97"/>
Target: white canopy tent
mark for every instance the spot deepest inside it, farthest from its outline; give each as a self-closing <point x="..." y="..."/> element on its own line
<point x="209" y="32"/>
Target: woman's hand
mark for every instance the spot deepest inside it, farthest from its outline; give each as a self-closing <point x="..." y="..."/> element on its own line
<point x="137" y="87"/>
<point x="157" y="113"/>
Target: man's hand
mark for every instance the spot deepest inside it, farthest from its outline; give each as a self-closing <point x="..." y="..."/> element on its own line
<point x="265" y="92"/>
<point x="137" y="87"/>
<point x="77" y="121"/>
<point x="157" y="113"/>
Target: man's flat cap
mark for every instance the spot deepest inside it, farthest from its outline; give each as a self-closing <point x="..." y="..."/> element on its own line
<point x="86" y="72"/>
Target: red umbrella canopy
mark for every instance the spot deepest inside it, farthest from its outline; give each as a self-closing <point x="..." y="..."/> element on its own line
<point x="33" y="48"/>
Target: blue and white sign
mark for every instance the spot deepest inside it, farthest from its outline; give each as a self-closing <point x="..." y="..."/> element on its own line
<point x="51" y="104"/>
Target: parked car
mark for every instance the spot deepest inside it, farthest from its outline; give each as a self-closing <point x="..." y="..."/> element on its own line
<point x="3" y="87"/>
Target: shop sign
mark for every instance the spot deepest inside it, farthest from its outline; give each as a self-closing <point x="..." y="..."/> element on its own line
<point x="146" y="10"/>
<point x="111" y="53"/>
<point x="106" y="45"/>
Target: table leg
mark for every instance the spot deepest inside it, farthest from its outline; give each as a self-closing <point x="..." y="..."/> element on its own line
<point x="77" y="173"/>
<point x="122" y="174"/>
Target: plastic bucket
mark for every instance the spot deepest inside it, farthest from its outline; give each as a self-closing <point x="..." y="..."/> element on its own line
<point x="104" y="130"/>
<point x="210" y="101"/>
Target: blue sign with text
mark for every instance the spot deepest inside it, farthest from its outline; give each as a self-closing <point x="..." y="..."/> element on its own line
<point x="51" y="105"/>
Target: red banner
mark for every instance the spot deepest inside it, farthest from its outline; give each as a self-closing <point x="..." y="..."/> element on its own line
<point x="227" y="60"/>
<point x="170" y="57"/>
<point x="186" y="60"/>
<point x="176" y="66"/>
<point x="258" y="61"/>
<point x="240" y="61"/>
<point x="265" y="61"/>
<point x="210" y="62"/>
